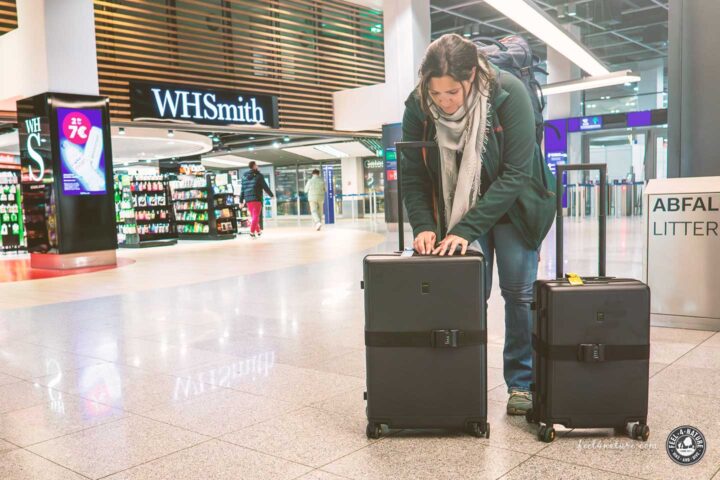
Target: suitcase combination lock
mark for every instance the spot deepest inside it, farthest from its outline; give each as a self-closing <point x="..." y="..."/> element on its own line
<point x="591" y="352"/>
<point x="445" y="338"/>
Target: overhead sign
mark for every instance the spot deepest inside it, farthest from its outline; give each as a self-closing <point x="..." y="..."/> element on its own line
<point x="159" y="101"/>
<point x="582" y="124"/>
<point x="374" y="164"/>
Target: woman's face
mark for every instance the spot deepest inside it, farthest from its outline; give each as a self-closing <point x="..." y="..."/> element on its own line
<point x="449" y="94"/>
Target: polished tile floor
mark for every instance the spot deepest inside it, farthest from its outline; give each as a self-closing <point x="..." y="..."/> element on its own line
<point x="245" y="360"/>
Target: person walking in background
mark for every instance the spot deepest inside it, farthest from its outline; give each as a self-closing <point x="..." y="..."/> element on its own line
<point x="253" y="184"/>
<point x="315" y="190"/>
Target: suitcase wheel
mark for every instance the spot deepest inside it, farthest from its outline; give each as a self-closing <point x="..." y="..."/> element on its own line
<point x="479" y="430"/>
<point x="641" y="432"/>
<point x="546" y="434"/>
<point x="374" y="430"/>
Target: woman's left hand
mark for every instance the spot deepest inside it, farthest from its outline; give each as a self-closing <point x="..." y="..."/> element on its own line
<point x="449" y="244"/>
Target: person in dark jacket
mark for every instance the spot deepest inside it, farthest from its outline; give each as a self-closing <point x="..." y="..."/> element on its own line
<point x="497" y="193"/>
<point x="252" y="186"/>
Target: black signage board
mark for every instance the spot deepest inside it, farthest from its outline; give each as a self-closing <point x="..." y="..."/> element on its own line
<point x="184" y="103"/>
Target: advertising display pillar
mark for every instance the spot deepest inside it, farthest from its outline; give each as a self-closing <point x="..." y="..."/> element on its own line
<point x="67" y="184"/>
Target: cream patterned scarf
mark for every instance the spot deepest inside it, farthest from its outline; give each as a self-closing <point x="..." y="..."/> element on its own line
<point x="461" y="185"/>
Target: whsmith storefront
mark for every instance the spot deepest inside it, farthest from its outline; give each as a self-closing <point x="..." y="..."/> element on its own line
<point x="221" y="83"/>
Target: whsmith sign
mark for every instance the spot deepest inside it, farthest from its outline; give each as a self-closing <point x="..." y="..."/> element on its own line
<point x="191" y="104"/>
<point x="682" y="261"/>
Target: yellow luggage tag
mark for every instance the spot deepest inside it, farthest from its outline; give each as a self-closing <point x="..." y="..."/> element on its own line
<point x="574" y="279"/>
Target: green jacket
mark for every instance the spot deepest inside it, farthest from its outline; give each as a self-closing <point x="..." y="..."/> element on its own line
<point x="315" y="189"/>
<point x="522" y="184"/>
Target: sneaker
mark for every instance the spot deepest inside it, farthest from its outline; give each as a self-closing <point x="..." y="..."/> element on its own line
<point x="318" y="226"/>
<point x="252" y="235"/>
<point x="519" y="402"/>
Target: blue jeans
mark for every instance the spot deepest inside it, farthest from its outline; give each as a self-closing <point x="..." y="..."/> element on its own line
<point x="517" y="270"/>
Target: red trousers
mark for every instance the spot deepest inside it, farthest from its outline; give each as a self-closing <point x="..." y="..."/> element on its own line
<point x="254" y="208"/>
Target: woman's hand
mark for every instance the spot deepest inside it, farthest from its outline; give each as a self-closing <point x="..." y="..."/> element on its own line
<point x="424" y="243"/>
<point x="449" y="244"/>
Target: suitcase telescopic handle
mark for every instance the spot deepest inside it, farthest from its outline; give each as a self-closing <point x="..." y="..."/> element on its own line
<point x="399" y="148"/>
<point x="561" y="169"/>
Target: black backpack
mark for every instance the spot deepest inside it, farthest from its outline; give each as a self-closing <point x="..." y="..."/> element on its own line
<point x="514" y="55"/>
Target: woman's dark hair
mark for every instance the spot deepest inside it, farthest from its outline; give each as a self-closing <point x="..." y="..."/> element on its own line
<point x="452" y="55"/>
<point x="316" y="172"/>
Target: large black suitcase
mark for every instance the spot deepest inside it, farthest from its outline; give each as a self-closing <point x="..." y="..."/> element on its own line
<point x="425" y="337"/>
<point x="591" y="343"/>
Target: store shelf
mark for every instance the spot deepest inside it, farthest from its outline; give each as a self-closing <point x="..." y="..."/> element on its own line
<point x="162" y="221"/>
<point x="126" y="192"/>
<point x="207" y="236"/>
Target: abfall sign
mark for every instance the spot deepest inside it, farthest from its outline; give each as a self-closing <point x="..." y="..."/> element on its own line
<point x="158" y="101"/>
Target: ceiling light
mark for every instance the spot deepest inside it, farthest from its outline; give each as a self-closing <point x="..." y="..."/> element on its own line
<point x="286" y="139"/>
<point x="331" y="151"/>
<point x="276" y="145"/>
<point x="223" y="162"/>
<point x="251" y="138"/>
<point x="589" y="83"/>
<point x="537" y="22"/>
<point x="251" y="148"/>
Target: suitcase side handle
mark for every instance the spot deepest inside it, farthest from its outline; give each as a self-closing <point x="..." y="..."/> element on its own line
<point x="399" y="147"/>
<point x="602" y="231"/>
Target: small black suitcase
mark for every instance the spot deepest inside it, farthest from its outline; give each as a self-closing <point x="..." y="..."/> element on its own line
<point x="425" y="337"/>
<point x="591" y="343"/>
